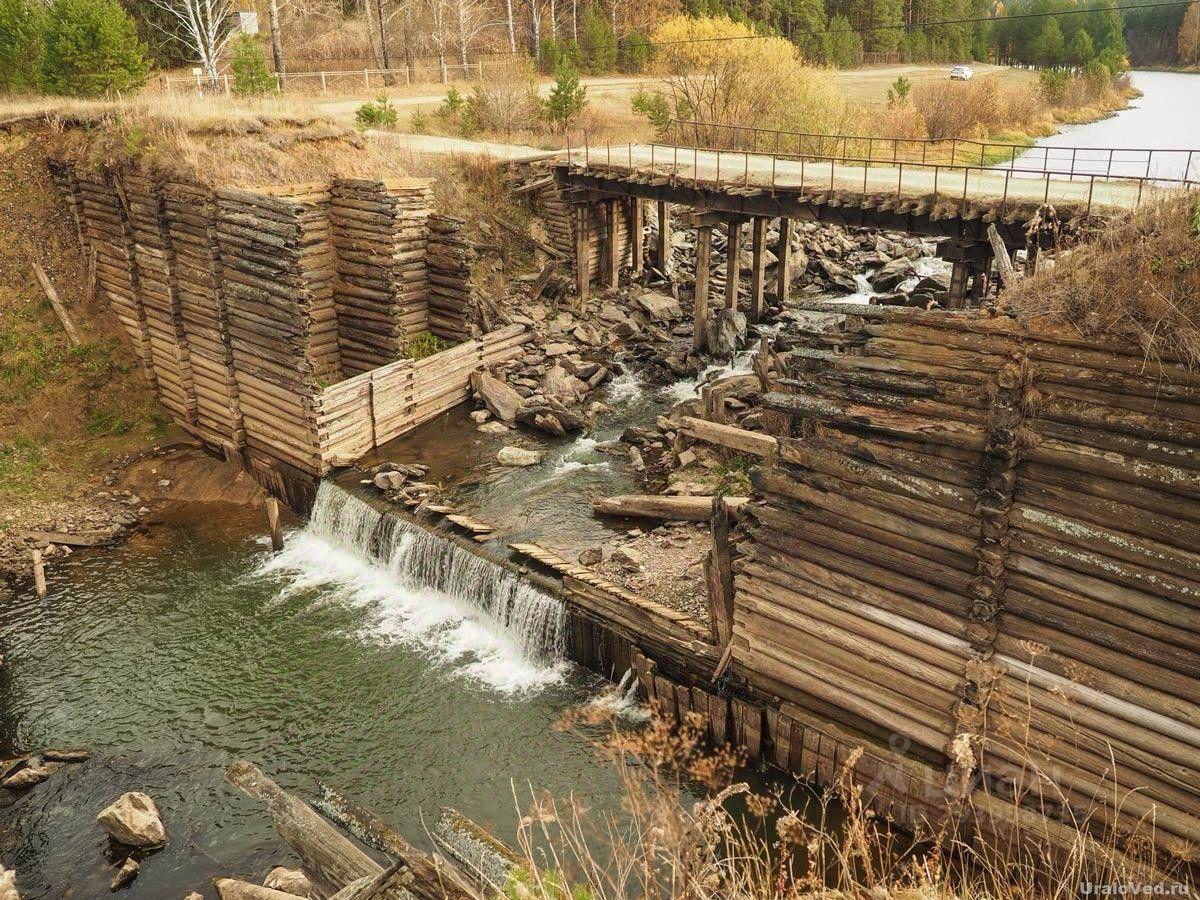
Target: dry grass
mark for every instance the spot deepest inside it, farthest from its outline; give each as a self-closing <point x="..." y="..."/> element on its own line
<point x="1148" y="265"/>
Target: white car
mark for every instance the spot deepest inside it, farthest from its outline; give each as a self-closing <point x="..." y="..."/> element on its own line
<point x="961" y="73"/>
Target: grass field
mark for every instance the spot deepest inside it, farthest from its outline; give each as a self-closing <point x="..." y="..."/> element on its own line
<point x="870" y="84"/>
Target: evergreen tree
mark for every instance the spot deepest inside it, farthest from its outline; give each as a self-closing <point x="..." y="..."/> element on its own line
<point x="249" y="65"/>
<point x="599" y="42"/>
<point x="567" y="96"/>
<point x="843" y="46"/>
<point x="22" y="48"/>
<point x="1050" y="44"/>
<point x="92" y="48"/>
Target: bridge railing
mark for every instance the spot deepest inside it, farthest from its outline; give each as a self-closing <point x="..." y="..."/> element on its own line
<point x="1110" y="162"/>
<point x="724" y="169"/>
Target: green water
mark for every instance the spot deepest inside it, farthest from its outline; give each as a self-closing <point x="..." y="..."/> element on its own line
<point x="193" y="646"/>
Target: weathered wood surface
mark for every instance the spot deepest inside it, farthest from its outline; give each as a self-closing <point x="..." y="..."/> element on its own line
<point x="660" y="506"/>
<point x="60" y="310"/>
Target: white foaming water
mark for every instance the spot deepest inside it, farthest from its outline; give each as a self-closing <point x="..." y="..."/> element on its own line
<point x="621" y="700"/>
<point x="625" y="386"/>
<point x="470" y="614"/>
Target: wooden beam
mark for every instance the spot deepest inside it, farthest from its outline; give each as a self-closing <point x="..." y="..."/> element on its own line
<point x="730" y="437"/>
<point x="664" y="237"/>
<point x="1004" y="266"/>
<point x="59" y="310"/>
<point x="637" y="239"/>
<point x="662" y="506"/>
<point x="612" y="258"/>
<point x="582" y="252"/>
<point x="733" y="263"/>
<point x="783" y="251"/>
<point x="758" y="250"/>
<point x="720" y="569"/>
<point x="274" y="523"/>
<point x="700" y="303"/>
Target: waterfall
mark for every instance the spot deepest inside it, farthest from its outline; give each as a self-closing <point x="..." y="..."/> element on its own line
<point x="477" y="615"/>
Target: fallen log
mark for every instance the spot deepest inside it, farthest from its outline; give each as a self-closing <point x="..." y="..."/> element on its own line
<point x="395" y="876"/>
<point x="59" y="310"/>
<point x="655" y="506"/>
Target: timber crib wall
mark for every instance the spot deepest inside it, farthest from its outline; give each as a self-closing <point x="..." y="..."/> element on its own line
<point x="275" y="321"/>
<point x="978" y="544"/>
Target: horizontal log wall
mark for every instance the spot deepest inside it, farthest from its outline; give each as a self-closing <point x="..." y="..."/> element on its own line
<point x="449" y="259"/>
<point x="982" y="542"/>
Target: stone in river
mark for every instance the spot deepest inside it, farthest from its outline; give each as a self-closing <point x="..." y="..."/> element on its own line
<point x="25" y="778"/>
<point x="290" y="881"/>
<point x="518" y="456"/>
<point x="133" y="820"/>
<point x="503" y="401"/>
<point x="887" y="277"/>
<point x="129" y="871"/>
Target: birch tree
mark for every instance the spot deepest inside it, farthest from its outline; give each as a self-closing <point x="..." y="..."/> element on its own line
<point x="206" y="27"/>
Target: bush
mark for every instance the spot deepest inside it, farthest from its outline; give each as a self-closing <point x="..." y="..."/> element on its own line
<point x="419" y="122"/>
<point x="1054" y="84"/>
<point x="249" y="64"/>
<point x="567" y="96"/>
<point x="898" y="93"/>
<point x="633" y="53"/>
<point x="377" y="113"/>
<point x="92" y="48"/>
<point x="22" y="45"/>
<point x="505" y="103"/>
<point x="655" y="107"/>
<point x="453" y="104"/>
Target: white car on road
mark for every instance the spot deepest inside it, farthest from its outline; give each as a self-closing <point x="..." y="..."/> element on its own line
<point x="961" y="73"/>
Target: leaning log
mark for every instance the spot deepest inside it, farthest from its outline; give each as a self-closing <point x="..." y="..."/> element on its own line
<point x="654" y="506"/>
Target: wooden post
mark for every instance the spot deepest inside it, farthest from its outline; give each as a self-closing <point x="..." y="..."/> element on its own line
<point x="59" y="310"/>
<point x="664" y="237"/>
<point x="637" y="238"/>
<point x="783" y="251"/>
<point x="733" y="263"/>
<point x="758" y="249"/>
<point x="1004" y="266"/>
<point x="959" y="274"/>
<point x="700" y="305"/>
<point x="720" y="574"/>
<point x="273" y="521"/>
<point x="612" y="257"/>
<point x="39" y="572"/>
<point x="582" y="254"/>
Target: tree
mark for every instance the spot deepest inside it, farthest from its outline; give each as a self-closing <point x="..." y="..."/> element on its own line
<point x="843" y="47"/>
<point x="1050" y="44"/>
<point x="567" y="96"/>
<point x="249" y="64"/>
<point x="1080" y="51"/>
<point x="1189" y="36"/>
<point x="207" y="27"/>
<point x="92" y="48"/>
<point x="599" y="42"/>
<point x="22" y="48"/>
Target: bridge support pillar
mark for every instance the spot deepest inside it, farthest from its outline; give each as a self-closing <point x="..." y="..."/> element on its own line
<point x="783" y="251"/>
<point x="733" y="263"/>
<point x="583" y="261"/>
<point x="637" y="236"/>
<point x="971" y="260"/>
<point x="612" y="243"/>
<point x="700" y="303"/>
<point x="664" y="237"/>
<point x="758" y="250"/>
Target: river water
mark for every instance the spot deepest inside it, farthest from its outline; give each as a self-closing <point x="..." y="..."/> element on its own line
<point x="1164" y="119"/>
<point x="358" y="656"/>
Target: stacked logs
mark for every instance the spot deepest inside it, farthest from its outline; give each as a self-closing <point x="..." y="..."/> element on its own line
<point x="449" y="258"/>
<point x="159" y="299"/>
<point x="278" y="286"/>
<point x="381" y="295"/>
<point x="106" y="231"/>
<point x="978" y="537"/>
<point x="189" y="213"/>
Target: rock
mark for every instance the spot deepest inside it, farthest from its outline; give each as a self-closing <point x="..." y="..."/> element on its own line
<point x="726" y="332"/>
<point x="290" y="881"/>
<point x="659" y="307"/>
<point x="518" y="456"/>
<point x="480" y="416"/>
<point x="192" y="896"/>
<point x="889" y="276"/>
<point x="592" y="556"/>
<point x="128" y="871"/>
<point x="133" y="820"/>
<point x="626" y="328"/>
<point x="559" y="349"/>
<point x="686" y="458"/>
<point x="502" y="400"/>
<point x="26" y="777"/>
<point x="390" y="481"/>
<point x="635" y="460"/>
<point x="493" y="428"/>
<point x="611" y="313"/>
<point x="933" y="283"/>
<point x="558" y="384"/>
<point x="627" y="558"/>
<point x="8" y="884"/>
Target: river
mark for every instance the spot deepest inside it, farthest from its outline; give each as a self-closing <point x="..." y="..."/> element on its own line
<point x="1163" y="119"/>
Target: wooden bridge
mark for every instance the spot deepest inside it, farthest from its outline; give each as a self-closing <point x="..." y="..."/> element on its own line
<point x="958" y="190"/>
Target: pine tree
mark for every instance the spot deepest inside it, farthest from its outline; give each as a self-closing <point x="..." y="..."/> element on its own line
<point x="599" y="42"/>
<point x="92" y="48"/>
<point x="249" y="65"/>
<point x="567" y="96"/>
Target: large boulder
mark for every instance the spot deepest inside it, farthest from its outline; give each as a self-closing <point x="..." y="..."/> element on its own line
<point x="502" y="400"/>
<point x="888" y="277"/>
<point x="726" y="332"/>
<point x="518" y="456"/>
<point x="659" y="307"/>
<point x="290" y="881"/>
<point x="133" y="820"/>
<point x="559" y="384"/>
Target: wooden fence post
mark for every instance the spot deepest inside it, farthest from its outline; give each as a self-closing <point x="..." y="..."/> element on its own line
<point x="733" y="263"/>
<point x="664" y="237"/>
<point x="274" y="523"/>
<point x="39" y="572"/>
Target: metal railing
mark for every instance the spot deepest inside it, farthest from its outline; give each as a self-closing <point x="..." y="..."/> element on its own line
<point x="1113" y="162"/>
<point x="335" y="81"/>
<point x="932" y="182"/>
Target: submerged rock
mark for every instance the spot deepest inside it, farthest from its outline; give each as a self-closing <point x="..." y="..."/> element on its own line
<point x="32" y="774"/>
<point x="518" y="456"/>
<point x="133" y="820"/>
<point x="128" y="871"/>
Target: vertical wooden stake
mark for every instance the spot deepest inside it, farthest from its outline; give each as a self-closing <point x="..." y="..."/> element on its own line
<point x="758" y="250"/>
<point x="59" y="310"/>
<point x="39" y="572"/>
<point x="274" y="523"/>
<point x="613" y="259"/>
<point x="733" y="264"/>
<point x="700" y="306"/>
<point x="583" y="261"/>
<point x="720" y="574"/>
<point x="637" y="238"/>
<point x="783" y="251"/>
<point x="664" y="237"/>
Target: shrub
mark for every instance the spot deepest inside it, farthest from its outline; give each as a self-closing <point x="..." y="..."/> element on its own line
<point x="22" y="46"/>
<point x="1054" y="84"/>
<point x="633" y="53"/>
<point x="898" y="93"/>
<point x="425" y="344"/>
<point x="377" y="113"/>
<point x="567" y="96"/>
<point x="249" y="64"/>
<point x="655" y="107"/>
<point x="92" y="48"/>
<point x="506" y="102"/>
<point x="419" y="122"/>
<point x="453" y="104"/>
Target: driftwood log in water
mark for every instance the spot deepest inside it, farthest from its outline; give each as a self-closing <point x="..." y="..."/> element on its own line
<point x="655" y="506"/>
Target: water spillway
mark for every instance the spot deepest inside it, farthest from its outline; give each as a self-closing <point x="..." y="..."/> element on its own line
<point x="470" y="613"/>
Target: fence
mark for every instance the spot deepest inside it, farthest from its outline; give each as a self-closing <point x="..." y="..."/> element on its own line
<point x="331" y="82"/>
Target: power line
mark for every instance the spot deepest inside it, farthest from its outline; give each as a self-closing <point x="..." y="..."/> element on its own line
<point x="814" y="33"/>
